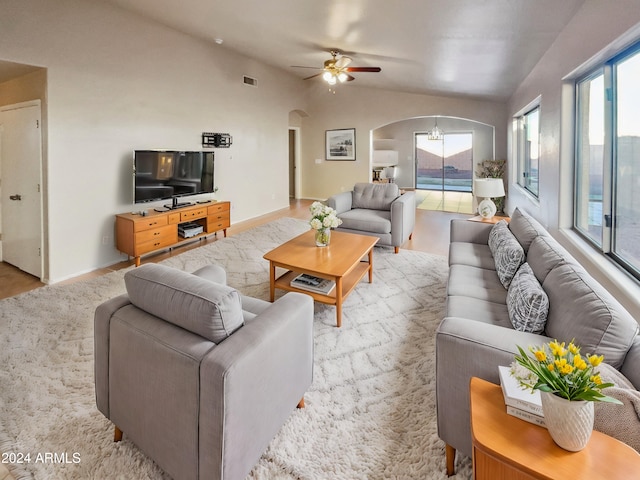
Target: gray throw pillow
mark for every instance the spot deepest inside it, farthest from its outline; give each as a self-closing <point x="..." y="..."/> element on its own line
<point x="527" y="302"/>
<point x="208" y="309"/>
<point x="507" y="253"/>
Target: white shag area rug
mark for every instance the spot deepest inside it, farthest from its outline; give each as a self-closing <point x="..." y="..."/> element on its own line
<point x="370" y="413"/>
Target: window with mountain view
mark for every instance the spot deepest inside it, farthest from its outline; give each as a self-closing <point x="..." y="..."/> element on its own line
<point x="607" y="172"/>
<point x="445" y="164"/>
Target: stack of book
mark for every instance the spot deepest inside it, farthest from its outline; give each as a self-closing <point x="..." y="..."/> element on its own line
<point x="313" y="284"/>
<point x="520" y="402"/>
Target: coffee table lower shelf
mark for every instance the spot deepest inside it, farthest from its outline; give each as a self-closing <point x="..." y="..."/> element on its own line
<point x="346" y="261"/>
<point x="348" y="283"/>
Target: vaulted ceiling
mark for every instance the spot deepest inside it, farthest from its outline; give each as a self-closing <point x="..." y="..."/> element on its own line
<point x="480" y="48"/>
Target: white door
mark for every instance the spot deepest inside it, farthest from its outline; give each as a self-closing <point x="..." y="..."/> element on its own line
<point x="20" y="187"/>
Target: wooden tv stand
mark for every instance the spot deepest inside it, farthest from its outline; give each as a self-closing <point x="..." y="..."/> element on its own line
<point x="137" y="235"/>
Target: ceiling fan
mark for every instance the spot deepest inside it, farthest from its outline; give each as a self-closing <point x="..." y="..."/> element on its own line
<point x="337" y="69"/>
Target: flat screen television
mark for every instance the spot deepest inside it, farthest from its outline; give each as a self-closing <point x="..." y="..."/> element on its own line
<point x="169" y="174"/>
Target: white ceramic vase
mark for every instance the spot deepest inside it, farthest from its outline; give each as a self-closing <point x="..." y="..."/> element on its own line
<point x="570" y="423"/>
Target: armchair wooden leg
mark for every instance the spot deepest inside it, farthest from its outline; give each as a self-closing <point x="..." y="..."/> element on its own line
<point x="117" y="434"/>
<point x="411" y="236"/>
<point x="450" y="454"/>
<point x="397" y="249"/>
<point x="301" y="403"/>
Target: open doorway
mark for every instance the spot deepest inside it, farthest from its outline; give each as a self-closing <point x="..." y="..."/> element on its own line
<point x="444" y="171"/>
<point x="294" y="155"/>
<point x="397" y="141"/>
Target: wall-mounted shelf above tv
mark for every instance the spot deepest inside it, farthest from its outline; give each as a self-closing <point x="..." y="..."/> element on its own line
<point x="217" y="140"/>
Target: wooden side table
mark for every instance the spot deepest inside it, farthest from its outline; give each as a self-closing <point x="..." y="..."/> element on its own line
<point x="507" y="448"/>
<point x="493" y="220"/>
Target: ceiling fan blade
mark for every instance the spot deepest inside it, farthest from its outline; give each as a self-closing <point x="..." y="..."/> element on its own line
<point x="363" y="69"/>
<point x="302" y="66"/>
<point x="349" y="78"/>
<point x="343" y="61"/>
<point x="313" y="76"/>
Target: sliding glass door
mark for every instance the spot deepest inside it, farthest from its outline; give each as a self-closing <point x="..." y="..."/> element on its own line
<point x="446" y="164"/>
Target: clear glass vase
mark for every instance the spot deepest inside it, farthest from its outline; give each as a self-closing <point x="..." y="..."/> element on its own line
<point x="323" y="237"/>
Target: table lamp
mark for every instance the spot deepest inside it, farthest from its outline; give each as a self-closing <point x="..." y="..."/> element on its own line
<point x="488" y="188"/>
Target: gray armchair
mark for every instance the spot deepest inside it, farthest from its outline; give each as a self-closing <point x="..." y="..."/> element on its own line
<point x="199" y="377"/>
<point x="377" y="209"/>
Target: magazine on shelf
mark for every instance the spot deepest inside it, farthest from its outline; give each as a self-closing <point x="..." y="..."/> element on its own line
<point x="308" y="282"/>
<point x="518" y="397"/>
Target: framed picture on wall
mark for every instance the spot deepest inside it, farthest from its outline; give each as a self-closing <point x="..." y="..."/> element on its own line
<point x="340" y="144"/>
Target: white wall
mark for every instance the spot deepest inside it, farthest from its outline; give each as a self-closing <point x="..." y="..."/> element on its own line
<point x="366" y="109"/>
<point x="596" y="28"/>
<point x="117" y="82"/>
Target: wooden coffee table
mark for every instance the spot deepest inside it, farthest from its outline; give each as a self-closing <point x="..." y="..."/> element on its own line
<point x="507" y="448"/>
<point x="340" y="261"/>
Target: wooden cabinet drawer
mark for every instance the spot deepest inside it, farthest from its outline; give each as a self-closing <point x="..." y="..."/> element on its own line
<point x="193" y="214"/>
<point x="174" y="218"/>
<point x="219" y="207"/>
<point x="151" y="222"/>
<point x="218" y="217"/>
<point x="215" y="225"/>
<point x="166" y="240"/>
<point x="155" y="234"/>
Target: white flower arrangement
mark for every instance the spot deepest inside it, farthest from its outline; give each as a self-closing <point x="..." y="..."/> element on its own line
<point x="323" y="216"/>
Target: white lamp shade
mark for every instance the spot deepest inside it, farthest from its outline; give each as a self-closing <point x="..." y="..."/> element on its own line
<point x="488" y="187"/>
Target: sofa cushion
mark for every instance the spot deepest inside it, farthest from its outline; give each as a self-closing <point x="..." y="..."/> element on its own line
<point x="474" y="282"/>
<point x="211" y="310"/>
<point x="525" y="228"/>
<point x="618" y="421"/>
<point x="527" y="303"/>
<point x="544" y="255"/>
<point x="478" y="310"/>
<point x="507" y="253"/>
<point x="581" y="309"/>
<point x="472" y="254"/>
<point x="374" y="196"/>
<point x="373" y="221"/>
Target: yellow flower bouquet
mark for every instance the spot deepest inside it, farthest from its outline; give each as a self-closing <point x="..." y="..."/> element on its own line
<point x="564" y="371"/>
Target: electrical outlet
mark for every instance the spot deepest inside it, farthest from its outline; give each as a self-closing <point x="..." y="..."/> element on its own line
<point x="105" y="240"/>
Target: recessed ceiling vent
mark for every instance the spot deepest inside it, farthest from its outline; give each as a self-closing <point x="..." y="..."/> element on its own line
<point x="252" y="82"/>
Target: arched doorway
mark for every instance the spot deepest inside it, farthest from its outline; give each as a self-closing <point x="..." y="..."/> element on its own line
<point x="440" y="167"/>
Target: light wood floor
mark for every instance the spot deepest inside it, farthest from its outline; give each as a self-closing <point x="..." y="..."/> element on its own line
<point x="431" y="235"/>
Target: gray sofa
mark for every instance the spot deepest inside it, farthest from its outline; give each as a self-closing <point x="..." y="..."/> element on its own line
<point x="198" y="376"/>
<point x="477" y="334"/>
<point x="378" y="210"/>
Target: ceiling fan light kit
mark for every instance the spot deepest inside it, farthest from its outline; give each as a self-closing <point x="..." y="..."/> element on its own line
<point x="336" y="69"/>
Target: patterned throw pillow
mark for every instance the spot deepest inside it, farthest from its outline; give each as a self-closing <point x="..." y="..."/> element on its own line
<point x="527" y="302"/>
<point x="507" y="252"/>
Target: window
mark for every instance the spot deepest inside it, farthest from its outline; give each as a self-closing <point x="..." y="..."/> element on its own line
<point x="590" y="157"/>
<point x="527" y="149"/>
<point x="607" y="169"/>
<point x="445" y="164"/>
